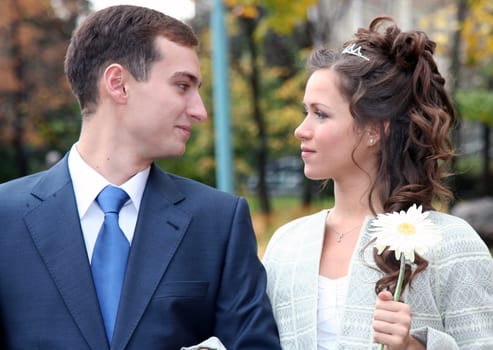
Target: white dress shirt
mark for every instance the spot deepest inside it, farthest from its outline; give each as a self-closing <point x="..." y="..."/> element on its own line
<point x="87" y="184"/>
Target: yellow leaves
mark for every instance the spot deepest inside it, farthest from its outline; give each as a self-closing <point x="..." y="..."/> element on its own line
<point x="280" y="15"/>
<point x="250" y="12"/>
<point x="478" y="32"/>
<point x="240" y="3"/>
<point x="34" y="91"/>
<point x="440" y="25"/>
<point x="293" y="88"/>
<point x="283" y="15"/>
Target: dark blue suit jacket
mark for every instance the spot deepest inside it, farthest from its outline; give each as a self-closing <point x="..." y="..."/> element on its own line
<point x="192" y="271"/>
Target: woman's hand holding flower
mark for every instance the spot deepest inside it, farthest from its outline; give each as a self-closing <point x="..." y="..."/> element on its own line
<point x="391" y="324"/>
<point x="405" y="233"/>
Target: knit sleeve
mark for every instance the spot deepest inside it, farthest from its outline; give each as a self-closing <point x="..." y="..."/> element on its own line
<point x="463" y="289"/>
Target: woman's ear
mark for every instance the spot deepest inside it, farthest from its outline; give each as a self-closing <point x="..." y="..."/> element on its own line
<point x="372" y="135"/>
<point x="114" y="80"/>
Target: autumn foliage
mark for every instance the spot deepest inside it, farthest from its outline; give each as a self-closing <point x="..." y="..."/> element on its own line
<point x="36" y="105"/>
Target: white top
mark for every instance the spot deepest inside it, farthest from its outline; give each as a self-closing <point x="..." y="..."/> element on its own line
<point x="87" y="184"/>
<point x="331" y="299"/>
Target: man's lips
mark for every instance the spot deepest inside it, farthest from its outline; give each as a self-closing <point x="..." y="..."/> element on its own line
<point x="187" y="130"/>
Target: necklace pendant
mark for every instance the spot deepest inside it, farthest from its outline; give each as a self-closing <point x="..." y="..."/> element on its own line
<point x="339" y="239"/>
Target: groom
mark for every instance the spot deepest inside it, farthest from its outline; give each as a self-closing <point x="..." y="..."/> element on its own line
<point x="189" y="267"/>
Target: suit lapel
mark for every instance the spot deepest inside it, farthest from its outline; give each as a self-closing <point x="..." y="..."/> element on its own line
<point x="55" y="229"/>
<point x="159" y="231"/>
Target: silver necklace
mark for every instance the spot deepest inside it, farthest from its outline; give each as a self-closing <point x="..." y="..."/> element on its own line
<point x="340" y="235"/>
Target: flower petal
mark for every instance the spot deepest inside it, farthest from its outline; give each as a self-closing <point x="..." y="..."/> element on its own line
<point x="407" y="232"/>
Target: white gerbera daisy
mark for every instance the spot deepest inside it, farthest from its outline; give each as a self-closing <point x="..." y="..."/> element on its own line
<point x="405" y="232"/>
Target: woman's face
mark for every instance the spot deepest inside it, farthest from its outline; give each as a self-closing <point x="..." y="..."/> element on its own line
<point x="328" y="133"/>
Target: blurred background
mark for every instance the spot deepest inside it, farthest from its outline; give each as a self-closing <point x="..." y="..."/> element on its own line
<point x="266" y="45"/>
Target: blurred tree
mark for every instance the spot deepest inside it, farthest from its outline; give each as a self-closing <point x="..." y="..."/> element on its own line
<point x="471" y="67"/>
<point x="325" y="17"/>
<point x="265" y="49"/>
<point x="476" y="103"/>
<point x="37" y="111"/>
<point x="198" y="162"/>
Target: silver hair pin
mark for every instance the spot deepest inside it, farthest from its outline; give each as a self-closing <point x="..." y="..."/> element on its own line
<point x="353" y="50"/>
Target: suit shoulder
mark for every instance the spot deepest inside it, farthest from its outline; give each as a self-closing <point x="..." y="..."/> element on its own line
<point x="20" y="184"/>
<point x="194" y="187"/>
<point x="19" y="193"/>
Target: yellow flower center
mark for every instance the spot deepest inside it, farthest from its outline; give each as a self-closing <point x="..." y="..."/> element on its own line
<point x="406" y="229"/>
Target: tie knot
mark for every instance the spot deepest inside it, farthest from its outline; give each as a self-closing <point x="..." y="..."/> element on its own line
<point x="111" y="199"/>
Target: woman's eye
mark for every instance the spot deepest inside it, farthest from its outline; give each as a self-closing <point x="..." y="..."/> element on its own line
<point x="321" y="114"/>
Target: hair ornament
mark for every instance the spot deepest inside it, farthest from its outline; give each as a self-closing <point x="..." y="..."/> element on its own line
<point x="354" y="50"/>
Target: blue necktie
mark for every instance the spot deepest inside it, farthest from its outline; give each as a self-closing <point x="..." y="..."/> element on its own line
<point x="109" y="258"/>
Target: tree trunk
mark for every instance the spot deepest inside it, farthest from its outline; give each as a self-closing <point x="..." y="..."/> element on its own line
<point x="262" y="153"/>
<point x="486" y="160"/>
<point x="454" y="75"/>
<point x="18" y="96"/>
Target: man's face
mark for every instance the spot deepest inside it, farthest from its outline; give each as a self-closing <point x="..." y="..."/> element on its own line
<point x="161" y="111"/>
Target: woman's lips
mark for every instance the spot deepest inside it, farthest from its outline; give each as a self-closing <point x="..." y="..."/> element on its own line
<point x="306" y="152"/>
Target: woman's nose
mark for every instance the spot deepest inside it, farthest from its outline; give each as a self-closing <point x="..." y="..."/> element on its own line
<point x="302" y="132"/>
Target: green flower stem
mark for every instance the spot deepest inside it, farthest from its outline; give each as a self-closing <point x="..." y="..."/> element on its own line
<point x="398" y="287"/>
<point x="400" y="279"/>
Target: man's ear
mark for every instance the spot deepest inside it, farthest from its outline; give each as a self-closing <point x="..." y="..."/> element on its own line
<point x="114" y="80"/>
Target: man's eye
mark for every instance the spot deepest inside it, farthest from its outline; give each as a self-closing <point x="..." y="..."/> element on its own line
<point x="183" y="86"/>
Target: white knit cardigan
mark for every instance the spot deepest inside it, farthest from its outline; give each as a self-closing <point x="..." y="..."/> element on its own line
<point x="451" y="301"/>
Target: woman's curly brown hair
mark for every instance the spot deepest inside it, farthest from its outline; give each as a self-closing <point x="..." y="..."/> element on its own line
<point x="400" y="91"/>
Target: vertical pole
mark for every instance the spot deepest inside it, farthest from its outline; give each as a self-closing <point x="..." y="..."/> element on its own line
<point x="222" y="130"/>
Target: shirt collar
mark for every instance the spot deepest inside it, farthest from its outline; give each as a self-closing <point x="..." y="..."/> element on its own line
<point x="87" y="183"/>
